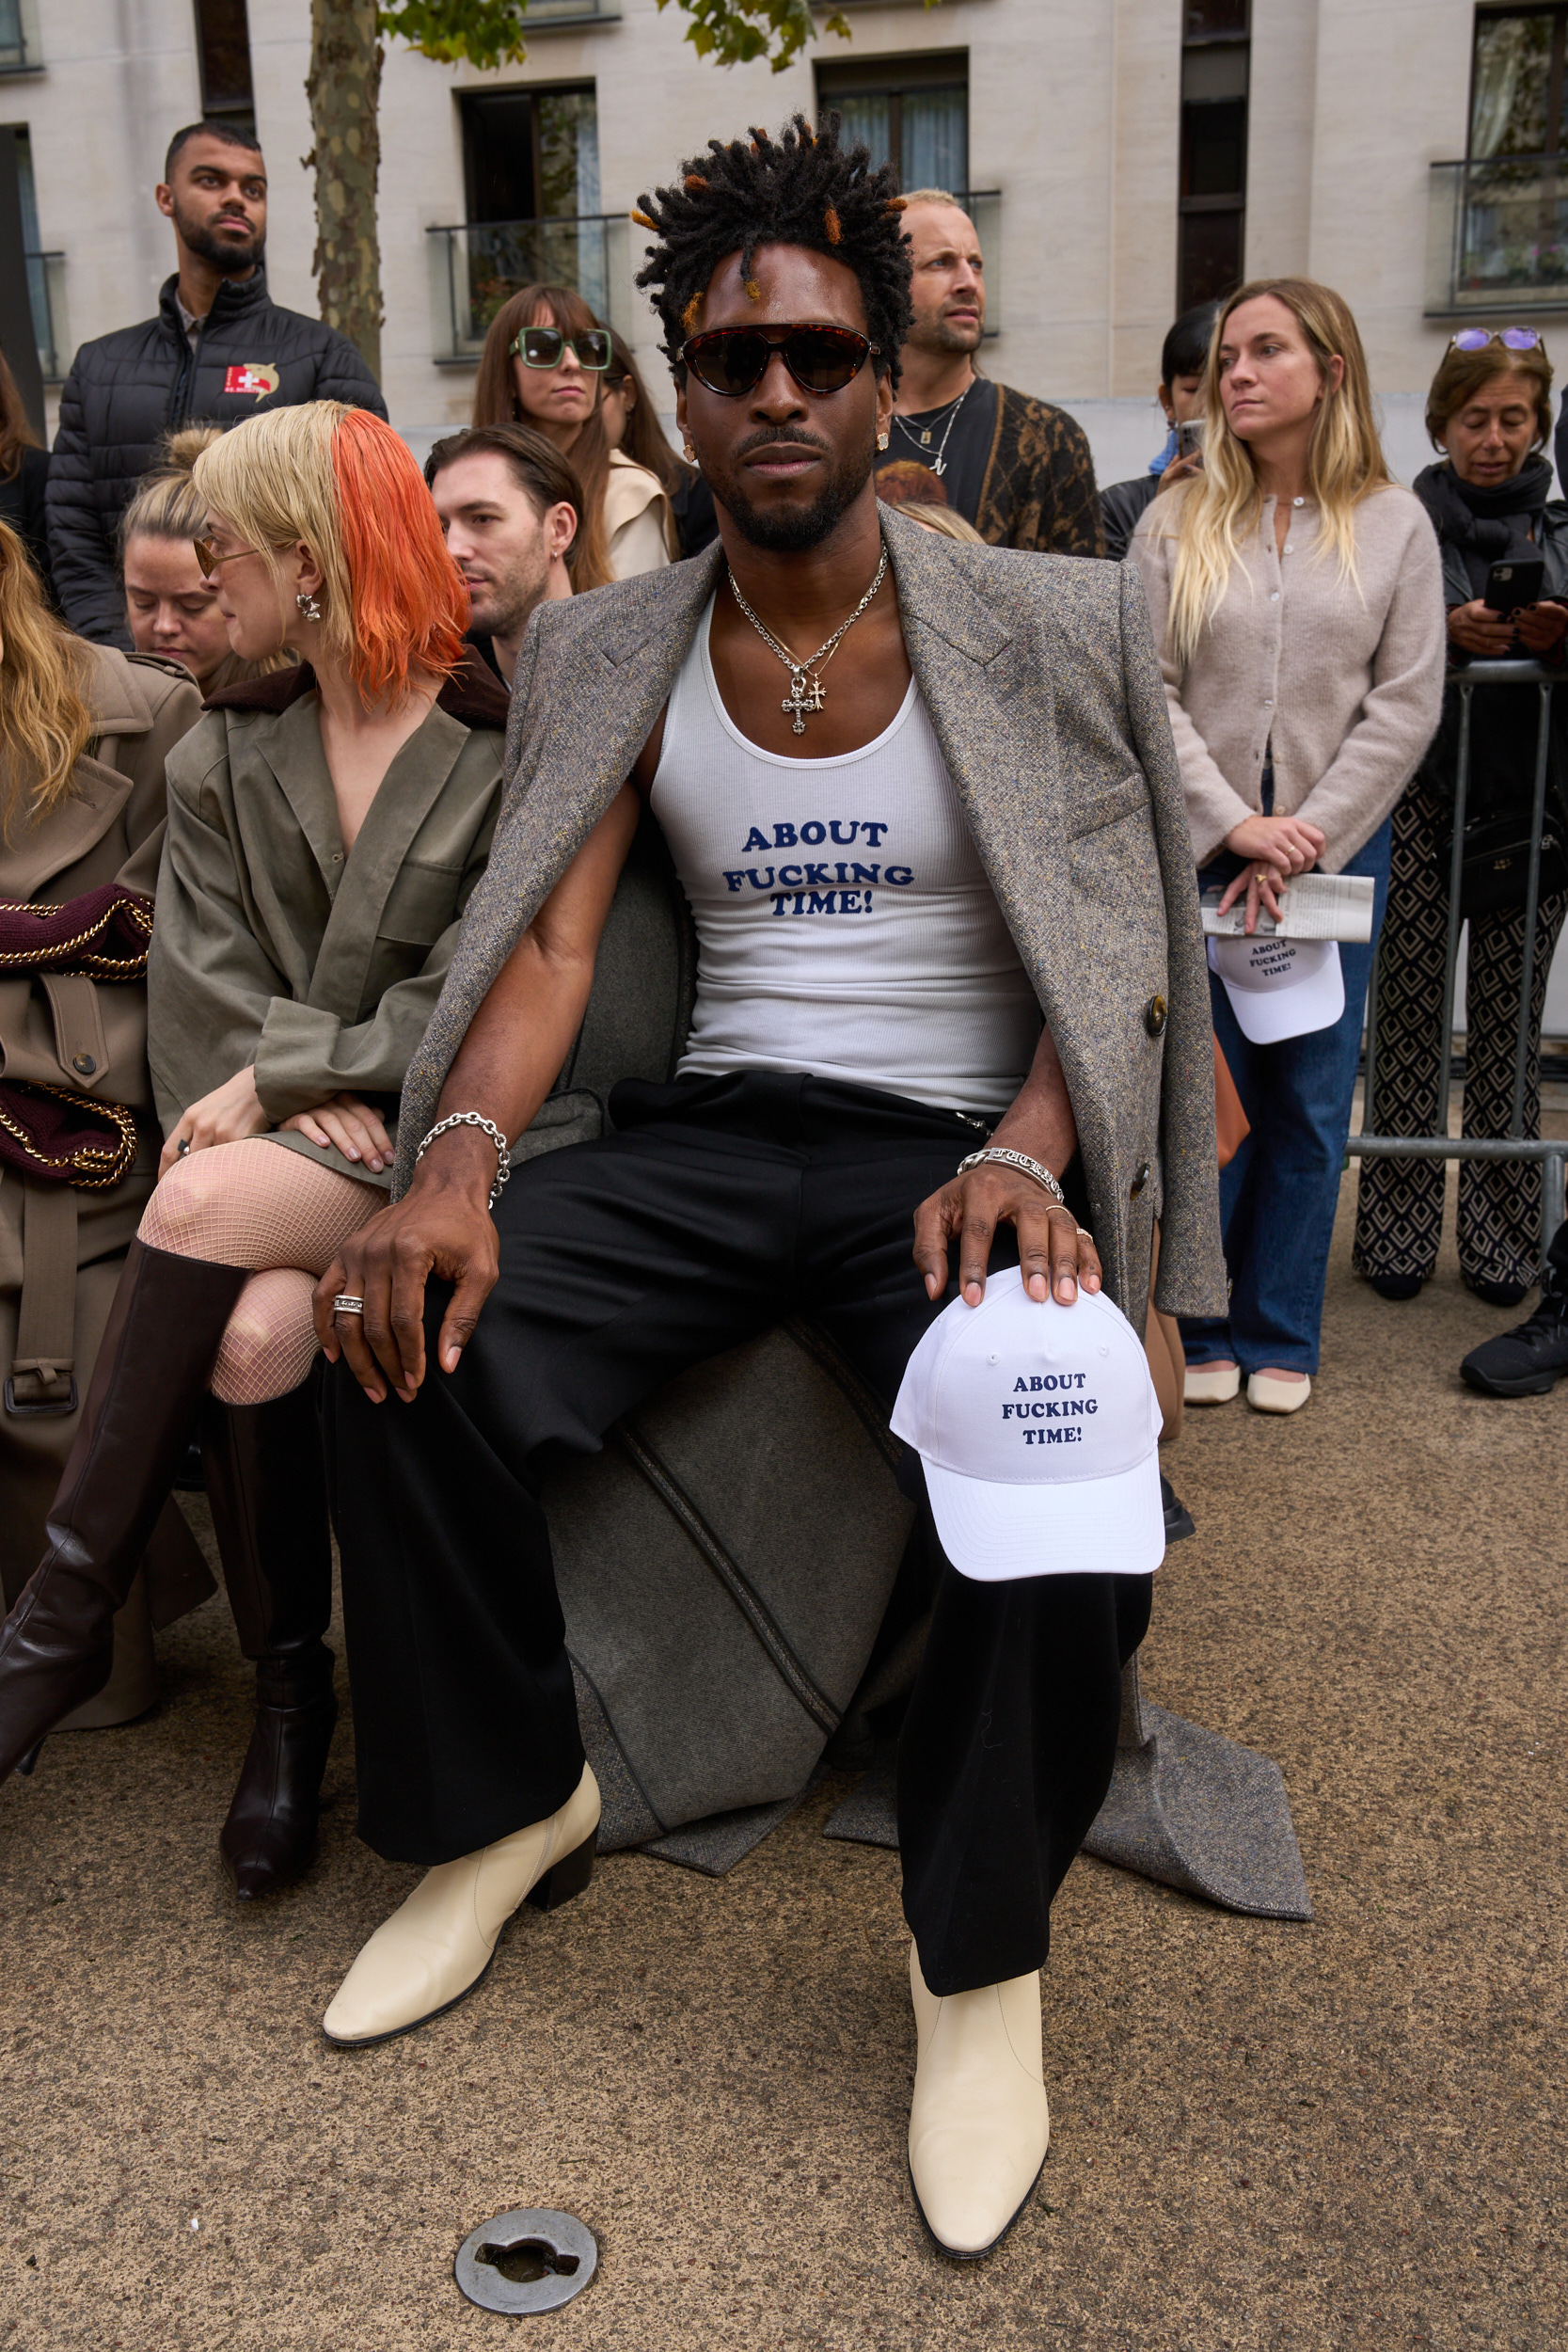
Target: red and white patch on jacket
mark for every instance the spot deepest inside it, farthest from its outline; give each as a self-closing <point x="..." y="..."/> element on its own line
<point x="256" y="377"/>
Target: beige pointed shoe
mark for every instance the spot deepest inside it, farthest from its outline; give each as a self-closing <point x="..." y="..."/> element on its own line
<point x="1211" y="1384"/>
<point x="1267" y="1393"/>
<point x="979" y="2122"/>
<point x="437" y="1947"/>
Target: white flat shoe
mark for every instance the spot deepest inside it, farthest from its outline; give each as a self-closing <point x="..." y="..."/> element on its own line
<point x="1211" y="1384"/>
<point x="438" y="1944"/>
<point x="1266" y="1396"/>
<point x="979" y="2122"/>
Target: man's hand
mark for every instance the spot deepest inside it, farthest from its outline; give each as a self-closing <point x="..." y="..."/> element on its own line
<point x="352" y="1124"/>
<point x="229" y="1115"/>
<point x="442" y="1227"/>
<point x="1052" y="1250"/>
<point x="1480" y="631"/>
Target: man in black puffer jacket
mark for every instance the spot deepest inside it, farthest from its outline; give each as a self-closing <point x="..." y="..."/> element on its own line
<point x="218" y="350"/>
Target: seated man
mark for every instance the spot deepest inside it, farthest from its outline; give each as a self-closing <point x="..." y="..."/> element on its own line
<point x="895" y="866"/>
<point x="509" y="504"/>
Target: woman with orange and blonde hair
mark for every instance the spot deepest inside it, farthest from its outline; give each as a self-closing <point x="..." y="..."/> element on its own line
<point x="328" y="824"/>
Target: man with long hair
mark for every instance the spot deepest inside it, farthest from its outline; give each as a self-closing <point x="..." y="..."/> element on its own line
<point x="219" y="349"/>
<point x="942" y="893"/>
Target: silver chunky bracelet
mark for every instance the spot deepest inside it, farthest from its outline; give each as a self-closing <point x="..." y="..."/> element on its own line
<point x="472" y="1119"/>
<point x="1007" y="1158"/>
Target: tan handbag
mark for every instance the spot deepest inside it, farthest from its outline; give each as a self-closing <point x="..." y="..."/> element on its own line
<point x="1231" y="1123"/>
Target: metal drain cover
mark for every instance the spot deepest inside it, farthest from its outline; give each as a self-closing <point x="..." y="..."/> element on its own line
<point x="532" y="2261"/>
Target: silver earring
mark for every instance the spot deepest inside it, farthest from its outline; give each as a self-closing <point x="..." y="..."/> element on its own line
<point x="883" y="440"/>
<point x="308" y="606"/>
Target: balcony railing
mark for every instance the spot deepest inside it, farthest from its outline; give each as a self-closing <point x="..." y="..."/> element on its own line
<point x="475" y="269"/>
<point x="477" y="266"/>
<point x="46" y="293"/>
<point x="1498" y="229"/>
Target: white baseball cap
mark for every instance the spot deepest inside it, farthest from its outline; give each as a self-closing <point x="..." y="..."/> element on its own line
<point x="1039" y="1430"/>
<point x="1281" y="987"/>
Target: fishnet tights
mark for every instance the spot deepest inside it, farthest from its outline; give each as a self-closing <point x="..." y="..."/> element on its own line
<point x="278" y="1213"/>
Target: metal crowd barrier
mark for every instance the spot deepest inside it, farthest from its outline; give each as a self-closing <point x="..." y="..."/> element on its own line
<point x="1552" y="1155"/>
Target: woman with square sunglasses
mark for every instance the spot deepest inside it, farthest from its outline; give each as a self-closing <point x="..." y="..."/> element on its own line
<point x="544" y="365"/>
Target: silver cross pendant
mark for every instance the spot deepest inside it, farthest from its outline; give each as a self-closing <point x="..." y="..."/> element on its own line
<point x="802" y="698"/>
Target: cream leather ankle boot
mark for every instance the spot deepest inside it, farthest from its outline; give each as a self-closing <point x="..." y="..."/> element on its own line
<point x="979" y="2124"/>
<point x="437" y="1947"/>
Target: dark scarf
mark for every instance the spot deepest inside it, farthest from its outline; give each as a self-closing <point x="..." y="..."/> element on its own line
<point x="1487" y="526"/>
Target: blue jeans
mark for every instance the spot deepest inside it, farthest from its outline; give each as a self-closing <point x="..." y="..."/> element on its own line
<point x="1279" y="1196"/>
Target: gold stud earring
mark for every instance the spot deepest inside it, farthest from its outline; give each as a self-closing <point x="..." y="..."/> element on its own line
<point x="691" y="454"/>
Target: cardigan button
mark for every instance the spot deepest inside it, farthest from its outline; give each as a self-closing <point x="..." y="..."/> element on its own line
<point x="1138" y="1182"/>
<point x="1154" y="1016"/>
<point x="85" y="1063"/>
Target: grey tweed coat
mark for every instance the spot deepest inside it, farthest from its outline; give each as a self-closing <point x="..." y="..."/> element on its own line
<point x="1041" y="681"/>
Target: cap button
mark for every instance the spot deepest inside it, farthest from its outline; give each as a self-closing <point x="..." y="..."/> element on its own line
<point x="1138" y="1182"/>
<point x="1154" y="1016"/>
<point x="85" y="1063"/>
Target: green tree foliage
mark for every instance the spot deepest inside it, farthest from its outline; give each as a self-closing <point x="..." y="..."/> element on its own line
<point x="489" y="33"/>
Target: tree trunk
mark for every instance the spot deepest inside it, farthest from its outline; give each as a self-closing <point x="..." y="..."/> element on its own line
<point x="343" y="88"/>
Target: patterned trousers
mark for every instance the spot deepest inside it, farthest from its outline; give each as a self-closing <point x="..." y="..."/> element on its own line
<point x="1399" y="1215"/>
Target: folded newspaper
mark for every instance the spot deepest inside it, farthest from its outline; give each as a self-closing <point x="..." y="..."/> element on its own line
<point x="1315" y="906"/>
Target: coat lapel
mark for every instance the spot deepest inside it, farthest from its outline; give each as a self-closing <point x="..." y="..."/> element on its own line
<point x="75" y="825"/>
<point x="404" y="798"/>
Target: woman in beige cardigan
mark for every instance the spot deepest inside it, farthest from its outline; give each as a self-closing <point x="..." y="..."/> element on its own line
<point x="1296" y="599"/>
<point x="328" y="825"/>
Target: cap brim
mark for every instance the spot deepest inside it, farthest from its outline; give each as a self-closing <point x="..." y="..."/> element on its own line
<point x="1113" y="1526"/>
<point x="1265" y="1016"/>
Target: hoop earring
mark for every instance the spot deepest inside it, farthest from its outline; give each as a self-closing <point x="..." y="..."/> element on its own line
<point x="308" y="606"/>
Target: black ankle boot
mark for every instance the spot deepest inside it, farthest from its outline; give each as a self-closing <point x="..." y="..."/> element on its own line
<point x="267" y="1489"/>
<point x="57" y="1646"/>
<point x="1527" y="1360"/>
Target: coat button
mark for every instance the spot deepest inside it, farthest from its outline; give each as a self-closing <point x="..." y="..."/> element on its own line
<point x="85" y="1063"/>
<point x="1154" y="1016"/>
<point x="1138" y="1182"/>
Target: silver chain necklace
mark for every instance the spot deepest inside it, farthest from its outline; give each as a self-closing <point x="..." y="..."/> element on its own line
<point x="923" y="440"/>
<point x="809" y="693"/>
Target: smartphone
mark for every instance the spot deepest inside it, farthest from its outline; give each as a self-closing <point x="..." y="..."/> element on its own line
<point x="1511" y="586"/>
<point x="1189" y="438"/>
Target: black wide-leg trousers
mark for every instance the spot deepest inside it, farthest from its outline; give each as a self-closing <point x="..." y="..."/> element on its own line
<point x="717" y="1208"/>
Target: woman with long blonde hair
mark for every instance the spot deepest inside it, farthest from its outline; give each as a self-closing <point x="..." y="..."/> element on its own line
<point x="1295" y="595"/>
<point x="84" y="735"/>
<point x="543" y="364"/>
<point x="328" y="824"/>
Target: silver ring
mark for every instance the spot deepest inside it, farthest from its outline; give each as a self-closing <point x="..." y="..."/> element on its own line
<point x="346" y="1305"/>
<point x="1084" y="1234"/>
<point x="183" y="1146"/>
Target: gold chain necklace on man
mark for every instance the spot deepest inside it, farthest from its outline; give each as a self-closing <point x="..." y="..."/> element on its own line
<point x="806" y="690"/>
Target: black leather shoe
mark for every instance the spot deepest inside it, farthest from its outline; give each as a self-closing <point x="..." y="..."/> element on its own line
<point x="1395" y="1285"/>
<point x="1179" y="1519"/>
<point x="1497" y="1294"/>
<point x="56" y="1648"/>
<point x="1527" y="1360"/>
<point x="267" y="1487"/>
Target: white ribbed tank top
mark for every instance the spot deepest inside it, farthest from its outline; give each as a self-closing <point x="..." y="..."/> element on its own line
<point x="845" y="924"/>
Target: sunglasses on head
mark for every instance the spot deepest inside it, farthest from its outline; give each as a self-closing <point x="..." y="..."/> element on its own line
<point x="733" y="361"/>
<point x="1511" y="339"/>
<point x="543" y="346"/>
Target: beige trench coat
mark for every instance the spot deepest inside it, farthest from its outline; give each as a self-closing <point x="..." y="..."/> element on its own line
<point x="71" y="1243"/>
<point x="273" y="948"/>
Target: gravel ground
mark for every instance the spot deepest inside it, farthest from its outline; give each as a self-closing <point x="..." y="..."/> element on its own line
<point x="1335" y="2135"/>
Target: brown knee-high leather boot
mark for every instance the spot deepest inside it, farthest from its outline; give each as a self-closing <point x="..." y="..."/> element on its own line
<point x="158" y="1350"/>
<point x="267" y="1488"/>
